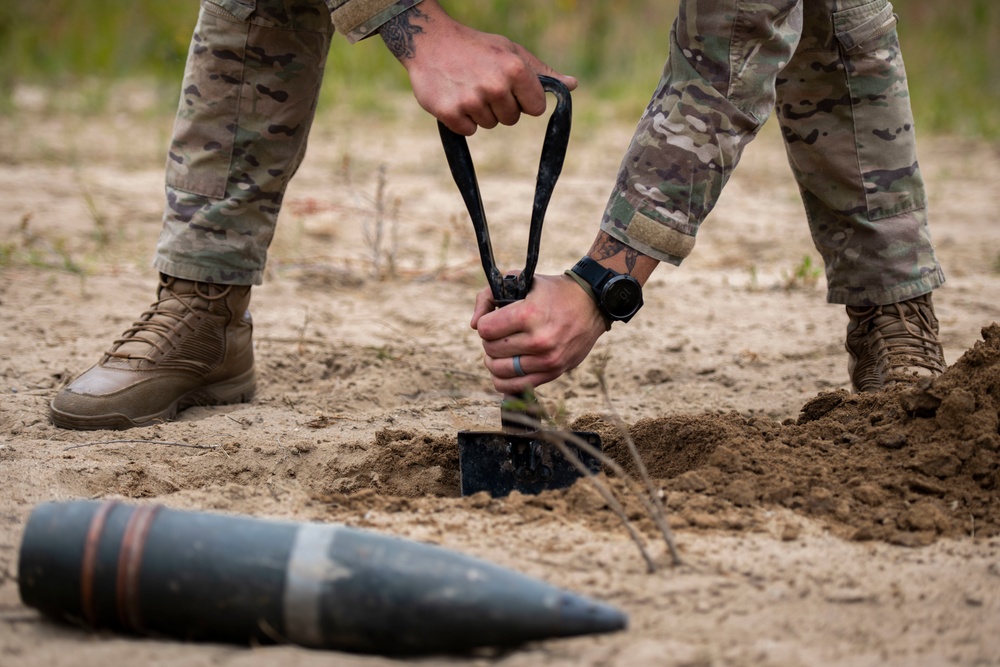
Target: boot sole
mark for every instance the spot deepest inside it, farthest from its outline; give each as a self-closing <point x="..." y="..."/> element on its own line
<point x="240" y="389"/>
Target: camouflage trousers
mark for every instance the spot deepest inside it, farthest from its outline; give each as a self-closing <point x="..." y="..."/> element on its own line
<point x="833" y="72"/>
<point x="247" y="103"/>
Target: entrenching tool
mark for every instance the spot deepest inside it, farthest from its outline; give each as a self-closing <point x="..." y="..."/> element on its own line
<point x="518" y="458"/>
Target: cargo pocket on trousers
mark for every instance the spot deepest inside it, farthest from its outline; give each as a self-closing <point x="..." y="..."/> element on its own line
<point x="857" y="28"/>
<point x="880" y="101"/>
<point x="201" y="150"/>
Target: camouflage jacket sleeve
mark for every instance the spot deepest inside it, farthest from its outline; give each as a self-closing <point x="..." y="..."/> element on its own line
<point x="358" y="19"/>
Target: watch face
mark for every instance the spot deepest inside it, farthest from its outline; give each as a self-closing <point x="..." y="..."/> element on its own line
<point x="622" y="296"/>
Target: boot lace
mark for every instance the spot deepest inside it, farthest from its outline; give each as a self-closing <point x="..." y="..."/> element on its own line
<point x="163" y="324"/>
<point x="890" y="343"/>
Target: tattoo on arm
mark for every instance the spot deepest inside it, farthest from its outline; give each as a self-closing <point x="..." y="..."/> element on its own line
<point x="398" y="32"/>
<point x="608" y="246"/>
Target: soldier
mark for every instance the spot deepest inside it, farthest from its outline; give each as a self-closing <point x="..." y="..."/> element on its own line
<point x="833" y="71"/>
<point x="249" y="96"/>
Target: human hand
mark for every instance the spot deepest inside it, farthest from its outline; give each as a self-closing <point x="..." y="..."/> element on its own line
<point x="466" y="78"/>
<point x="552" y="330"/>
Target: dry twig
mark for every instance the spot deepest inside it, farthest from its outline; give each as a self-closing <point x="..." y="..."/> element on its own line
<point x="560" y="439"/>
<point x="647" y="494"/>
<point x="657" y="511"/>
<point x="141" y="442"/>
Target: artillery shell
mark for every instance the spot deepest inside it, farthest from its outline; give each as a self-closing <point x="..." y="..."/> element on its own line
<point x="151" y="570"/>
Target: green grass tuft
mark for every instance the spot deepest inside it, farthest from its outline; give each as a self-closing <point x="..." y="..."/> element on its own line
<point x="617" y="49"/>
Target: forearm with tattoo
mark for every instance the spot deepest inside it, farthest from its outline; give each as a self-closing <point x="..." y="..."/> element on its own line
<point x="606" y="246"/>
<point x="398" y="32"/>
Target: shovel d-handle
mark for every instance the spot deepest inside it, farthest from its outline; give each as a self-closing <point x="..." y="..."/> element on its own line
<point x="507" y="289"/>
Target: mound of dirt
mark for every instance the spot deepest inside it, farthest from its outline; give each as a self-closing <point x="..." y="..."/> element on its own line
<point x="905" y="466"/>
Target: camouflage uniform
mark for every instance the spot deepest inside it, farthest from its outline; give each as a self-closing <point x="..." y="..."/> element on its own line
<point x="833" y="71"/>
<point x="251" y="83"/>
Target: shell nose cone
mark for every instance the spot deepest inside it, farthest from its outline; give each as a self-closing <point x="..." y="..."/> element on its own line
<point x="585" y="616"/>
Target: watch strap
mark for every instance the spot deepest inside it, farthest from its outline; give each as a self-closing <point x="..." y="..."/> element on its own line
<point x="588" y="288"/>
<point x="593" y="272"/>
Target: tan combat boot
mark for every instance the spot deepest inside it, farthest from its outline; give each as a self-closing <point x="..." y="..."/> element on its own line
<point x="192" y="347"/>
<point x="896" y="343"/>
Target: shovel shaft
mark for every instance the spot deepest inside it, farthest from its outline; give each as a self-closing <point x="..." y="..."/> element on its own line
<point x="520" y="413"/>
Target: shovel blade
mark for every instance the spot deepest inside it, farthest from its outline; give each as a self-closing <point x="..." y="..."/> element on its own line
<point x="498" y="462"/>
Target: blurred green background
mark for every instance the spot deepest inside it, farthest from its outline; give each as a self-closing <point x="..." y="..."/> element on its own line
<point x="952" y="51"/>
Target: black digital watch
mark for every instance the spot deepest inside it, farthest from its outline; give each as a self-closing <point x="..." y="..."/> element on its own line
<point x="618" y="295"/>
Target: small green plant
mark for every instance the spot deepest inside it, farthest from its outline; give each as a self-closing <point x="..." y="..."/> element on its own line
<point x="804" y="276"/>
<point x="996" y="264"/>
<point x="6" y="254"/>
<point x="101" y="234"/>
<point x="65" y="261"/>
<point x="384" y="353"/>
<point x="754" y="277"/>
<point x="31" y="248"/>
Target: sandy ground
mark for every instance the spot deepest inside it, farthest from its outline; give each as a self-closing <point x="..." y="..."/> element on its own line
<point x="816" y="527"/>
